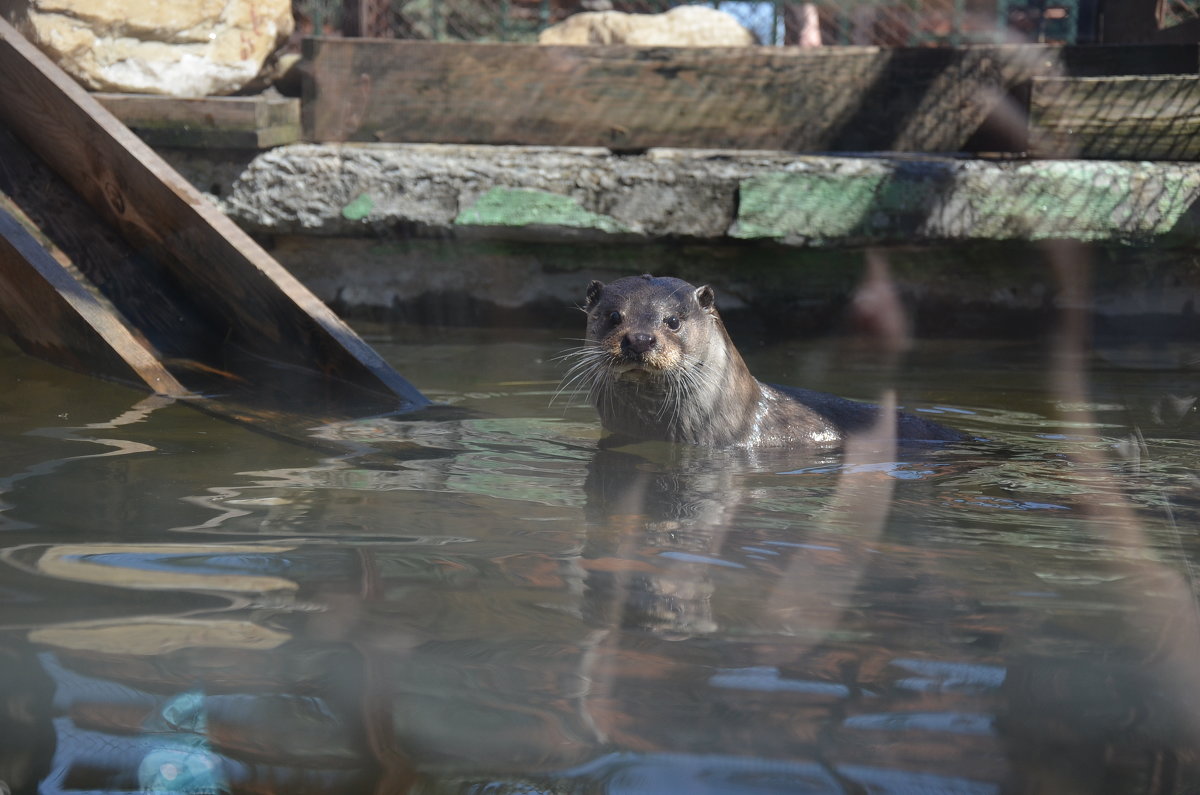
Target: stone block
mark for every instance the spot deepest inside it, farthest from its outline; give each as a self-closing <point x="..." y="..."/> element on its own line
<point x="682" y="26"/>
<point x="186" y="48"/>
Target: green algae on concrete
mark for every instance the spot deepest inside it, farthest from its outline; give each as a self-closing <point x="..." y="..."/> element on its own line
<point x="803" y="201"/>
<point x="807" y="205"/>
<point x="518" y="207"/>
<point x="907" y="201"/>
<point x="818" y="206"/>
<point x="1081" y="200"/>
<point x="360" y="208"/>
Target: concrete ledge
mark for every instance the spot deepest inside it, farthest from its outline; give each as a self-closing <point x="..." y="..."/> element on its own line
<point x="460" y="235"/>
<point x="810" y="201"/>
<point x="900" y="201"/>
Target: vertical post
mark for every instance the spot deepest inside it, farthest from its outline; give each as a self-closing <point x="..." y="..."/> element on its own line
<point x="1070" y="24"/>
<point x="354" y="18"/>
<point x="435" y="20"/>
<point x="1001" y="21"/>
<point x="367" y="19"/>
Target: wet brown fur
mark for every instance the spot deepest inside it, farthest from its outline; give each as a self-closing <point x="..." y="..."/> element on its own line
<point x="658" y="363"/>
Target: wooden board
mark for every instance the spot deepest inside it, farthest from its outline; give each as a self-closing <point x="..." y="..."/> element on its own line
<point x="74" y="292"/>
<point x="163" y="315"/>
<point x="51" y="311"/>
<point x="826" y="99"/>
<point x="1138" y="118"/>
<point x="244" y="298"/>
<point x="256" y="122"/>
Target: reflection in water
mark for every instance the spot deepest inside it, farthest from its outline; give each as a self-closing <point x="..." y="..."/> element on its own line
<point x="137" y="413"/>
<point x="504" y="605"/>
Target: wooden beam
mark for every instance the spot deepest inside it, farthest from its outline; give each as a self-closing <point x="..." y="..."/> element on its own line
<point x="102" y="309"/>
<point x="1120" y="118"/>
<point x="256" y="122"/>
<point x="826" y="99"/>
<point x="250" y="301"/>
<point x="52" y="312"/>
<point x="76" y="236"/>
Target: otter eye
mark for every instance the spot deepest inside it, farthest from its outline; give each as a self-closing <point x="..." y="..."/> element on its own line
<point x="614" y="317"/>
<point x="673" y="323"/>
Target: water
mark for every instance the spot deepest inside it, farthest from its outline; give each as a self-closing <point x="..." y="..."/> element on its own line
<point x="493" y="605"/>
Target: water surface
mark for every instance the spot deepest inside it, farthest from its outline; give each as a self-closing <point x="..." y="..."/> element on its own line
<point x="494" y="604"/>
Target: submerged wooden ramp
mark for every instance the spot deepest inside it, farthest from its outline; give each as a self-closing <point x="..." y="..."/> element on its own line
<point x="112" y="264"/>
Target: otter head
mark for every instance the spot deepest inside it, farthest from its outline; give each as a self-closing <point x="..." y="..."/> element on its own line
<point x="648" y="325"/>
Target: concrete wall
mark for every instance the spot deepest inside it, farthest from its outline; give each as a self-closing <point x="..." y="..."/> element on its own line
<point x="478" y="234"/>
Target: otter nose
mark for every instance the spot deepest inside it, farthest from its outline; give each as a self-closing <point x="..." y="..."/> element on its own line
<point x="638" y="342"/>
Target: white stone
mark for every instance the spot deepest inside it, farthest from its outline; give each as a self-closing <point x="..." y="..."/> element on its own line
<point x="187" y="48"/>
<point x="682" y="26"/>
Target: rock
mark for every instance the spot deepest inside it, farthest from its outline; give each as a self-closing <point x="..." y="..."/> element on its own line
<point x="187" y="48"/>
<point x="682" y="26"/>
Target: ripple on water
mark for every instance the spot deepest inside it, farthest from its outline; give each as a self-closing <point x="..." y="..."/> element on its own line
<point x="512" y="609"/>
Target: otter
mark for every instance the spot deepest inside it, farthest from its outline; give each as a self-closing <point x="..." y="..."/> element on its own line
<point x="658" y="364"/>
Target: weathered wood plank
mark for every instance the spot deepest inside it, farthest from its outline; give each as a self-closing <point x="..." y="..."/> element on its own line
<point x="1139" y="118"/>
<point x="1098" y="60"/>
<point x="126" y="305"/>
<point x="150" y="302"/>
<point x="830" y="99"/>
<point x="257" y="122"/>
<point x="47" y="306"/>
<point x="252" y="302"/>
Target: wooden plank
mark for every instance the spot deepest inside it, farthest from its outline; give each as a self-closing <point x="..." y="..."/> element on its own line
<point x="252" y="302"/>
<point x="1101" y="60"/>
<point x="256" y="122"/>
<point x="77" y="236"/>
<point x="1120" y="118"/>
<point x="826" y="99"/>
<point x="157" y="329"/>
<point x="52" y="312"/>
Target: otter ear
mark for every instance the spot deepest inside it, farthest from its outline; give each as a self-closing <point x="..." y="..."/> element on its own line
<point x="706" y="298"/>
<point x="593" y="293"/>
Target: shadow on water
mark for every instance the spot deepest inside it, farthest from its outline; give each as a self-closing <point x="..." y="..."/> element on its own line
<point x="500" y="604"/>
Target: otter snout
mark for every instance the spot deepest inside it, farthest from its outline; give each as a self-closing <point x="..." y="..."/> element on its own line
<point x="638" y="343"/>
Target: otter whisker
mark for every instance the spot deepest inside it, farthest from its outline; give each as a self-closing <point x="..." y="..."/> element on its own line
<point x="582" y="371"/>
<point x="588" y="371"/>
<point x="693" y="383"/>
<point x="592" y="385"/>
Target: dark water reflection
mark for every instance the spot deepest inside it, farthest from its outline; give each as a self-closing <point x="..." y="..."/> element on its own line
<point x="496" y="605"/>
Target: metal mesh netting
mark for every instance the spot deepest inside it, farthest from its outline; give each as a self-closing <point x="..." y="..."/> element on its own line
<point x="887" y="23"/>
<point x="1178" y="12"/>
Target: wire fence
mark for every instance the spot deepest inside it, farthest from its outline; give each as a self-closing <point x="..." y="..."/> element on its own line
<point x="887" y="23"/>
<point x="1174" y="13"/>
